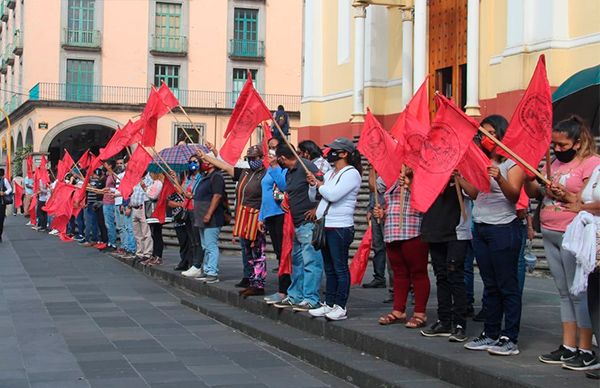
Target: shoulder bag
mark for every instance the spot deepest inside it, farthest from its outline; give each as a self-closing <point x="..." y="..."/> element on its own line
<point x="7" y="199"/>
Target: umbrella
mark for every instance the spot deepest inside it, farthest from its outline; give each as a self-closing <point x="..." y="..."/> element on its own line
<point x="176" y="157"/>
<point x="580" y="95"/>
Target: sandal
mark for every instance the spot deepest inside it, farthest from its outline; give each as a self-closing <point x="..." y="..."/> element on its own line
<point x="155" y="261"/>
<point x="416" y="322"/>
<point x="391" y="319"/>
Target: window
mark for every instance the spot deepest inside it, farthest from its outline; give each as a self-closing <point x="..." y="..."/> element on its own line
<point x="180" y="135"/>
<point x="167" y="73"/>
<point x="239" y="79"/>
<point x="167" y="29"/>
<point x="80" y="23"/>
<point x="245" y="32"/>
<point x="80" y="80"/>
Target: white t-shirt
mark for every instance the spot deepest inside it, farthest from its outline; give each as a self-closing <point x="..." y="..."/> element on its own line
<point x="340" y="190"/>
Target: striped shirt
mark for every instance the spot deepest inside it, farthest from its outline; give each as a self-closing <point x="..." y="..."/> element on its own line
<point x="411" y="219"/>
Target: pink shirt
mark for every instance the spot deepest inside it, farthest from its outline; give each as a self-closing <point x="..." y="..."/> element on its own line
<point x="571" y="175"/>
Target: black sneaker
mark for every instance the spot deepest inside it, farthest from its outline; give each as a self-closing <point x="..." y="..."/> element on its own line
<point x="374" y="284"/>
<point x="458" y="334"/>
<point x="480" y="317"/>
<point x="437" y="330"/>
<point x="470" y="311"/>
<point x="559" y="356"/>
<point x="244" y="283"/>
<point x="583" y="361"/>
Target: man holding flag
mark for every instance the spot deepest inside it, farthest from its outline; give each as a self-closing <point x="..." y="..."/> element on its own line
<point x="5" y="199"/>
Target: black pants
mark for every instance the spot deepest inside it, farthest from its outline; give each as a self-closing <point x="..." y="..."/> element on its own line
<point x="379" y="255"/>
<point x="101" y="224"/>
<point x="2" y="217"/>
<point x="157" y="239"/>
<point x="593" y="300"/>
<point x="274" y="227"/>
<point x="448" y="260"/>
<point x="42" y="216"/>
<point x="185" y="247"/>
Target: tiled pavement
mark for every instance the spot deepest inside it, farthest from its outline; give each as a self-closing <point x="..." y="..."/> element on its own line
<point x="71" y="317"/>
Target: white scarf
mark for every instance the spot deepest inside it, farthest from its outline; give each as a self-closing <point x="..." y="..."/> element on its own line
<point x="580" y="240"/>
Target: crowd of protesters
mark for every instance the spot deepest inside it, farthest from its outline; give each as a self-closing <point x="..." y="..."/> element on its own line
<point x="319" y="195"/>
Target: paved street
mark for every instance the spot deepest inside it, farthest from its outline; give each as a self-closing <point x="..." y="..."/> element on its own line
<point x="77" y="318"/>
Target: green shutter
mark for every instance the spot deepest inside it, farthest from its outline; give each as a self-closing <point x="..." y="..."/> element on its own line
<point x="80" y="21"/>
<point x="80" y="80"/>
<point x="167" y="33"/>
<point x="239" y="79"/>
<point x="245" y="32"/>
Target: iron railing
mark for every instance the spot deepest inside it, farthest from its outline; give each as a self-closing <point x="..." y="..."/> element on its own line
<point x="18" y="43"/>
<point x="77" y="38"/>
<point x="242" y="48"/>
<point x="170" y="44"/>
<point x="129" y="95"/>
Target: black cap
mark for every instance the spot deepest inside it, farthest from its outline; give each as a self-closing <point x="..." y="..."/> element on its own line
<point x="342" y="144"/>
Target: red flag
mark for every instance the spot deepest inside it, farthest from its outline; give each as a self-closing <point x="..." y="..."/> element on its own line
<point x="85" y="160"/>
<point x="60" y="206"/>
<point x="239" y="103"/>
<point x="160" y="211"/>
<point x="473" y="167"/>
<point x="379" y="148"/>
<point x="451" y="133"/>
<point x="285" y="264"/>
<point x="64" y="166"/>
<point x="79" y="197"/>
<point x="358" y="266"/>
<point x="154" y="110"/>
<point x="418" y="107"/>
<point x="135" y="171"/>
<point x="244" y="122"/>
<point x="121" y="139"/>
<point x="167" y="96"/>
<point x="43" y="171"/>
<point x="265" y="143"/>
<point x="30" y="167"/>
<point x="18" y="195"/>
<point x="32" y="209"/>
<point x="530" y="130"/>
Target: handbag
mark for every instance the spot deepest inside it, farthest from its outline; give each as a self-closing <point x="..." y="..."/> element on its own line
<point x="318" y="236"/>
<point x="7" y="199"/>
<point x="149" y="206"/>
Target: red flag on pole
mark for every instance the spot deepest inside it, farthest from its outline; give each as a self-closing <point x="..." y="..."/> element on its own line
<point x="30" y="167"/>
<point x="246" y="92"/>
<point x="60" y="206"/>
<point x="32" y="209"/>
<point x="358" y="266"/>
<point x="451" y="133"/>
<point x="167" y="96"/>
<point x="530" y="130"/>
<point x="160" y="211"/>
<point x="417" y="107"/>
<point x="473" y="167"/>
<point x="85" y="160"/>
<point x="154" y="110"/>
<point x="243" y="122"/>
<point x="43" y="171"/>
<point x="285" y="265"/>
<point x="64" y="166"/>
<point x="265" y="143"/>
<point x="379" y="148"/>
<point x="18" y="195"/>
<point x="135" y="171"/>
<point x="121" y="139"/>
<point x="81" y="192"/>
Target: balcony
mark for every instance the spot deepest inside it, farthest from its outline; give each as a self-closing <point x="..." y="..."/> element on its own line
<point x="253" y="50"/>
<point x="11" y="4"/>
<point x="3" y="66"/>
<point x="3" y="12"/>
<point x="10" y="57"/>
<point x="118" y="95"/>
<point x="18" y="43"/>
<point x="168" y="45"/>
<point x="75" y="39"/>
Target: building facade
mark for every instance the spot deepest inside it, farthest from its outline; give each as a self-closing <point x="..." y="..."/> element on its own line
<point x="73" y="71"/>
<point x="481" y="53"/>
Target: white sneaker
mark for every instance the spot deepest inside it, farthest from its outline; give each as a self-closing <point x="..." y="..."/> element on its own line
<point x="321" y="311"/>
<point x="28" y="223"/>
<point x="336" y="314"/>
<point x="53" y="232"/>
<point x="192" y="272"/>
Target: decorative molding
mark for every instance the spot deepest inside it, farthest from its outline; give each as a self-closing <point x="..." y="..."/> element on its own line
<point x="383" y="84"/>
<point x="69" y="123"/>
<point x="546" y="45"/>
<point x="408" y="14"/>
<point x="328" y="97"/>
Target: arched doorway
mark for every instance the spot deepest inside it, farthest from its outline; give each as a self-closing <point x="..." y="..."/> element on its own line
<point x="29" y="137"/>
<point x="19" y="142"/>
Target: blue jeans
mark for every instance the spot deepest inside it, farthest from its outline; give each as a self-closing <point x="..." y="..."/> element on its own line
<point x="209" y="238"/>
<point x="522" y="265"/>
<point x="109" y="221"/>
<point x="91" y="223"/>
<point x="497" y="252"/>
<point x="335" y="263"/>
<point x="307" y="267"/>
<point x="81" y="223"/>
<point x="127" y="237"/>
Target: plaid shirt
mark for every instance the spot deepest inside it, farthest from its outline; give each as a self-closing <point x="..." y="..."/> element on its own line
<point x="411" y="219"/>
<point x="139" y="196"/>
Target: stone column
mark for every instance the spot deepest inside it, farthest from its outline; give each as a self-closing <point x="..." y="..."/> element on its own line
<point x="420" y="46"/>
<point x="472" y="107"/>
<point x="358" y="95"/>
<point x="407" y="56"/>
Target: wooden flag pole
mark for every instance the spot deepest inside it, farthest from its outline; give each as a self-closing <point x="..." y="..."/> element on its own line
<point x="548" y="165"/>
<point x="515" y="156"/>
<point x="190" y="120"/>
<point x="402" y="198"/>
<point x="291" y="147"/>
<point x="167" y="173"/>
<point x="461" y="200"/>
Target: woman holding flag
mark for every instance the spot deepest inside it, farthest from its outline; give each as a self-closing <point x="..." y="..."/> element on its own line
<point x="153" y="193"/>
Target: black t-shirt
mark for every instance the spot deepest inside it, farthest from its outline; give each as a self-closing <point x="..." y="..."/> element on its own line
<point x="440" y="221"/>
<point x="297" y="190"/>
<point x="249" y="190"/>
<point x="209" y="185"/>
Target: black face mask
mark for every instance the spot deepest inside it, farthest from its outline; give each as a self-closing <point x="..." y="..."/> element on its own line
<point x="333" y="156"/>
<point x="565" y="156"/>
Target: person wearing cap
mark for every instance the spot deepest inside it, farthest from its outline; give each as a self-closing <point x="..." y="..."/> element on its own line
<point x="249" y="199"/>
<point x="338" y="191"/>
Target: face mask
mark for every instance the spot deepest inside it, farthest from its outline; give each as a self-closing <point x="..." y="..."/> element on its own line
<point x="193" y="166"/>
<point x="565" y="156"/>
<point x="488" y="144"/>
<point x="205" y="167"/>
<point x="255" y="164"/>
<point x="119" y="169"/>
<point x="333" y="156"/>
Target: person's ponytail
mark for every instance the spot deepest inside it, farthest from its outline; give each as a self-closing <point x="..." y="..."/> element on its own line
<point x="354" y="159"/>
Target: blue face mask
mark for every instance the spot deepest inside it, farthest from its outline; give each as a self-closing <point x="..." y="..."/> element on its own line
<point x="193" y="166"/>
<point x="255" y="164"/>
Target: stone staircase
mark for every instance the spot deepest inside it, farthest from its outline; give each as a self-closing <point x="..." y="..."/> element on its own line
<point x="229" y="245"/>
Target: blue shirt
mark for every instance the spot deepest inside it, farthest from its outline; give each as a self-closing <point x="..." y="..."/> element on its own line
<point x="28" y="182"/>
<point x="269" y="207"/>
